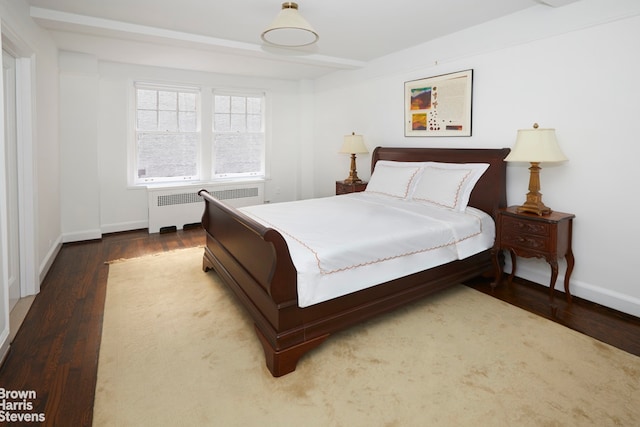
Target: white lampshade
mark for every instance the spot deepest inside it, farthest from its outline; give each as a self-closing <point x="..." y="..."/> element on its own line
<point x="353" y="144"/>
<point x="290" y="29"/>
<point x="536" y="145"/>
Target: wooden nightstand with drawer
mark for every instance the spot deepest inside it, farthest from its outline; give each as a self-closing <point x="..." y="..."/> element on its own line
<point x="345" y="187"/>
<point x="529" y="235"/>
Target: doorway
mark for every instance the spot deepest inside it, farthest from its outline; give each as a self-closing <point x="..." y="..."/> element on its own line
<point x="18" y="179"/>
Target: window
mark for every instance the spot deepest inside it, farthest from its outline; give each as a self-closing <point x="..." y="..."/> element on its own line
<point x="167" y="133"/>
<point x="168" y="144"/>
<point x="238" y="135"/>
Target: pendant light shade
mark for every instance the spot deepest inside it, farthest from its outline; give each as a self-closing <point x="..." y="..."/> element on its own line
<point x="290" y="29"/>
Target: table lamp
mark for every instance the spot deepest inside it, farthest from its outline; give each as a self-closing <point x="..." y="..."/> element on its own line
<point x="353" y="144"/>
<point x="535" y="146"/>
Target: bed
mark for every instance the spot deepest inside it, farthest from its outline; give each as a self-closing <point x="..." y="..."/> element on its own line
<point x="254" y="259"/>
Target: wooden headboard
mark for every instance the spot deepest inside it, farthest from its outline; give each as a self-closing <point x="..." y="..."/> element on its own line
<point x="489" y="194"/>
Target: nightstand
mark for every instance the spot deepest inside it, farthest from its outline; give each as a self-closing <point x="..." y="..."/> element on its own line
<point x="529" y="235"/>
<point x="344" y="188"/>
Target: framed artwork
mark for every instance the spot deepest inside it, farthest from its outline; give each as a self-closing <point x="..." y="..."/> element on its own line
<point x="439" y="106"/>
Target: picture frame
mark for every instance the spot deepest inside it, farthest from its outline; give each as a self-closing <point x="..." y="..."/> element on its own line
<point x="439" y="105"/>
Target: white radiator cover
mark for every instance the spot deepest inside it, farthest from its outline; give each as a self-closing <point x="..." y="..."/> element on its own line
<point x="181" y="205"/>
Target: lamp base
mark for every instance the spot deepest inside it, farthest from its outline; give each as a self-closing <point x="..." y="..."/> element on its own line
<point x="534" y="197"/>
<point x="535" y="208"/>
<point x="353" y="174"/>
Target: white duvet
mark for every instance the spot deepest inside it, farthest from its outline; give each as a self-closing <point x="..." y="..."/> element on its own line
<point x="346" y="243"/>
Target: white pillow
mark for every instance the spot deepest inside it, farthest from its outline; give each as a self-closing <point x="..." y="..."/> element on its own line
<point x="448" y="185"/>
<point x="393" y="179"/>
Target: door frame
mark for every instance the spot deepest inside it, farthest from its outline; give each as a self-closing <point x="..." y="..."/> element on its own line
<point x="11" y="209"/>
<point x="25" y="70"/>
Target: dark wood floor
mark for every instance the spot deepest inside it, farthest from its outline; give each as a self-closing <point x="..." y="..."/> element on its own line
<point x="55" y="352"/>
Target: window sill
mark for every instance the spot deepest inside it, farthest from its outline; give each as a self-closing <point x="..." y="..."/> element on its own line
<point x="194" y="184"/>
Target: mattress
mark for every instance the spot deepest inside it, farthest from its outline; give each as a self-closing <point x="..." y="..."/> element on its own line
<point x="343" y="244"/>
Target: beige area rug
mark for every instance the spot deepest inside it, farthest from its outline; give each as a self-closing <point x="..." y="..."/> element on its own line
<point x="178" y="351"/>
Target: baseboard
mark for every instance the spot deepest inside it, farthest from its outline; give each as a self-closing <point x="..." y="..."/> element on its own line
<point x="80" y="236"/>
<point x="123" y="226"/>
<point x="47" y="262"/>
<point x="606" y="297"/>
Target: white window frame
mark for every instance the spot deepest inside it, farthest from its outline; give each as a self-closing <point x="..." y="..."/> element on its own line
<point x="137" y="181"/>
<point x="262" y="174"/>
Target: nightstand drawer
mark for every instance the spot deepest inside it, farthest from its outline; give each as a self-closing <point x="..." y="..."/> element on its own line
<point x="524" y="241"/>
<point x="517" y="226"/>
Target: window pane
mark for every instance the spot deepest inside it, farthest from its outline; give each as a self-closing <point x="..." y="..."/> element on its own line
<point x="147" y="99"/>
<point x="222" y="122"/>
<point x="187" y="102"/>
<point x="162" y="155"/>
<point x="238" y="104"/>
<point x="147" y="120"/>
<point x="222" y="104"/>
<point x="254" y="105"/>
<point x="167" y="133"/>
<point x="188" y="122"/>
<point x="238" y="153"/>
<point x="167" y="100"/>
<point x="238" y="139"/>
<point x="238" y="123"/>
<point x="168" y="121"/>
<point x="254" y="123"/>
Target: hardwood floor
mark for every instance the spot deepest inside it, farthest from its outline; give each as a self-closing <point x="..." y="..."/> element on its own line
<point x="55" y="352"/>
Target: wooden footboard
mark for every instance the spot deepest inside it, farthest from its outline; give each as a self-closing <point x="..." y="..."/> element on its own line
<point x="254" y="261"/>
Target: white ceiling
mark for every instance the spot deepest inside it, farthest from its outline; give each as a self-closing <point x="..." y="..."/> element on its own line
<point x="224" y="36"/>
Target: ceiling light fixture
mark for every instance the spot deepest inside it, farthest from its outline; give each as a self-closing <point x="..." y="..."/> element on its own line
<point x="290" y="29"/>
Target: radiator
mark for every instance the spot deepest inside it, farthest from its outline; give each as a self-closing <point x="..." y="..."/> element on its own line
<point x="176" y="207"/>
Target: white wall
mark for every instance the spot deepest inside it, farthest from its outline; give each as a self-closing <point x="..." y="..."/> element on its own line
<point x="80" y="196"/>
<point x="98" y="148"/>
<point x="573" y="68"/>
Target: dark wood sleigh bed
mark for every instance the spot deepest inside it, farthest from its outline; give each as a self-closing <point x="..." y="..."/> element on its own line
<point x="254" y="261"/>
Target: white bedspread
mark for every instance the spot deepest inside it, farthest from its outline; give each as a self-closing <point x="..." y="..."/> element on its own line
<point x="346" y="243"/>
